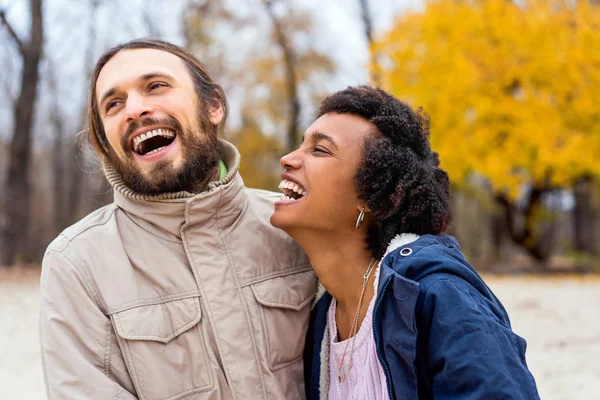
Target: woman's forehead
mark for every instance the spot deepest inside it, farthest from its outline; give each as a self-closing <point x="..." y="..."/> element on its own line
<point x="340" y="127"/>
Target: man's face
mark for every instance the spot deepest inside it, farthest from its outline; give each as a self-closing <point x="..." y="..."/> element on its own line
<point x="151" y="116"/>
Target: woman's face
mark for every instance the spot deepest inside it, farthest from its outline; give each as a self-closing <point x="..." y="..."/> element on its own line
<point x="318" y="185"/>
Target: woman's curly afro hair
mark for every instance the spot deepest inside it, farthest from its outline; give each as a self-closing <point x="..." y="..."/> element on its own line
<point x="399" y="176"/>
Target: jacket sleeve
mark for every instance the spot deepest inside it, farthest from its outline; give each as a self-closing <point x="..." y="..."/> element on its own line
<point x="472" y="353"/>
<point x="80" y="356"/>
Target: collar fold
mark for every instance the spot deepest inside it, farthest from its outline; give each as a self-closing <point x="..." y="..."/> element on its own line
<point x="167" y="213"/>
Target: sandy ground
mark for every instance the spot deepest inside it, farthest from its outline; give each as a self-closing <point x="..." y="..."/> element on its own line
<point x="559" y="317"/>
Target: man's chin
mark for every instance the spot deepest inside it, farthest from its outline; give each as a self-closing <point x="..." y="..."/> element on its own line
<point x="156" y="178"/>
<point x="149" y="169"/>
<point x="174" y="173"/>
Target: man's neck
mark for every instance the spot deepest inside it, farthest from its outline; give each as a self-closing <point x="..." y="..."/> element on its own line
<point x="200" y="187"/>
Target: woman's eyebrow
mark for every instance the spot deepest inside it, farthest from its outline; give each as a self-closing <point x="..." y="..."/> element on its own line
<point x="317" y="136"/>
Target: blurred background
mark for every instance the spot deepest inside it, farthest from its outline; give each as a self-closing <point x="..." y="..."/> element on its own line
<point x="512" y="89"/>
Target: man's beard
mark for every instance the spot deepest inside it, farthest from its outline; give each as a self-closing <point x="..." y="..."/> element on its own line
<point x="199" y="152"/>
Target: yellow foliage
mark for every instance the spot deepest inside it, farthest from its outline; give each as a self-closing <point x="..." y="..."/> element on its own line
<point x="260" y="156"/>
<point x="513" y="90"/>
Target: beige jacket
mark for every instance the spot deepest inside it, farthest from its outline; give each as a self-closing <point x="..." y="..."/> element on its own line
<point x="176" y="297"/>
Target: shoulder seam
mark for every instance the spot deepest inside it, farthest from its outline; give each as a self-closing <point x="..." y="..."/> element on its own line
<point x="473" y="293"/>
<point x="87" y="228"/>
<point x="86" y="279"/>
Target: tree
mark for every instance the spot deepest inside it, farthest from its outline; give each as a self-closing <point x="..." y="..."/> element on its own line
<point x="56" y="116"/>
<point x="512" y="89"/>
<point x="584" y="215"/>
<point x="291" y="79"/>
<point x="266" y="83"/>
<point x="260" y="167"/>
<point x="76" y="184"/>
<point x="18" y="190"/>
<point x="281" y="85"/>
<point x="365" y="14"/>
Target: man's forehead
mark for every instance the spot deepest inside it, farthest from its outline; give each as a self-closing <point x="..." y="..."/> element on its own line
<point x="130" y="65"/>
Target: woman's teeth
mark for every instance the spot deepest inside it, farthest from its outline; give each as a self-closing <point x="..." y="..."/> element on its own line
<point x="291" y="191"/>
<point x="292" y="186"/>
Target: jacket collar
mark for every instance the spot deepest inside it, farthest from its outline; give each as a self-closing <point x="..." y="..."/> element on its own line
<point x="167" y="214"/>
<point x="399" y="241"/>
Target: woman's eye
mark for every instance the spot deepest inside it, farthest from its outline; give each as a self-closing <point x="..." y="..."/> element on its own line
<point x="320" y="150"/>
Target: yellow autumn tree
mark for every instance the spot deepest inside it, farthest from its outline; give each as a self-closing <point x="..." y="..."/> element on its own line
<point x="512" y="89"/>
<point x="260" y="155"/>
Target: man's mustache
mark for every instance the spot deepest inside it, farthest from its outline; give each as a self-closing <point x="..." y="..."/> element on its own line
<point x="169" y="122"/>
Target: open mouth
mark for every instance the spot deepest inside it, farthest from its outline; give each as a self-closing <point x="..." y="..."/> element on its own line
<point x="153" y="141"/>
<point x="291" y="190"/>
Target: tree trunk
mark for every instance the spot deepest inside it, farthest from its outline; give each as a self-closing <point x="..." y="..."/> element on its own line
<point x="583" y="216"/>
<point x="59" y="218"/>
<point x="58" y="172"/>
<point x="77" y="186"/>
<point x="498" y="228"/>
<point x="291" y="79"/>
<point x="368" y="27"/>
<point x="521" y="225"/>
<point x="18" y="189"/>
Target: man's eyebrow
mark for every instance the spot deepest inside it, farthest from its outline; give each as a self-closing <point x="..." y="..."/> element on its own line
<point x="145" y="77"/>
<point x="152" y="75"/>
<point x="107" y="94"/>
<point x="315" y="137"/>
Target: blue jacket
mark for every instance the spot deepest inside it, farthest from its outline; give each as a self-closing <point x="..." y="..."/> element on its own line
<point x="439" y="330"/>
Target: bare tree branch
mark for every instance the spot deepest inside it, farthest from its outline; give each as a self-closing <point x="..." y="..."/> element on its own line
<point x="12" y="32"/>
<point x="15" y="234"/>
<point x="368" y="30"/>
<point x="149" y="21"/>
<point x="291" y="78"/>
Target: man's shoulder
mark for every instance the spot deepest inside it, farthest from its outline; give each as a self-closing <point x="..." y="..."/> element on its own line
<point x="266" y="237"/>
<point x="84" y="226"/>
<point x="262" y="204"/>
<point x="263" y="196"/>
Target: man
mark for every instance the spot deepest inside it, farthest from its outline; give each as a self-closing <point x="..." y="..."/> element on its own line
<point x="180" y="288"/>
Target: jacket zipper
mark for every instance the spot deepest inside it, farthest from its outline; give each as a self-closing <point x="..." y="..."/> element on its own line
<point x="382" y="360"/>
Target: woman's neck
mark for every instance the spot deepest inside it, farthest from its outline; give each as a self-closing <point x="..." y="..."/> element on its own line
<point x="340" y="262"/>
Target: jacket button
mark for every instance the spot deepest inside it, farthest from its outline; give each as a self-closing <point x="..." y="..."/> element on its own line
<point x="407" y="251"/>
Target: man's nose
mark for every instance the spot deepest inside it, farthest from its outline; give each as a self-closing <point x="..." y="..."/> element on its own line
<point x="137" y="107"/>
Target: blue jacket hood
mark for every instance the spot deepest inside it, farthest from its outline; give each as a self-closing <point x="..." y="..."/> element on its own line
<point x="424" y="254"/>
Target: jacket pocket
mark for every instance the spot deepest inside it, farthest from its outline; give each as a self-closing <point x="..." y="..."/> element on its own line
<point x="285" y="308"/>
<point x="164" y="348"/>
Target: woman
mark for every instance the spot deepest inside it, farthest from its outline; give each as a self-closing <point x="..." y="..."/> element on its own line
<point x="404" y="316"/>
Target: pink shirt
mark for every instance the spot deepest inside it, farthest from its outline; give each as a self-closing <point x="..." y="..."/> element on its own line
<point x="362" y="374"/>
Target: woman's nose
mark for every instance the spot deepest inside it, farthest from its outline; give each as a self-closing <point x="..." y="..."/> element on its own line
<point x="290" y="160"/>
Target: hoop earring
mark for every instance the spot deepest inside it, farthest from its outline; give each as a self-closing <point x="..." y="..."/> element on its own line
<point x="361" y="218"/>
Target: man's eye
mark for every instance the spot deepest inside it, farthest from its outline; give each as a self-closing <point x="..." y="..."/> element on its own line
<point x="156" y="85"/>
<point x="112" y="104"/>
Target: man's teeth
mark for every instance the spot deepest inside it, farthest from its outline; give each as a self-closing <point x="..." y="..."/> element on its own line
<point x="145" y="136"/>
<point x="155" y="150"/>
